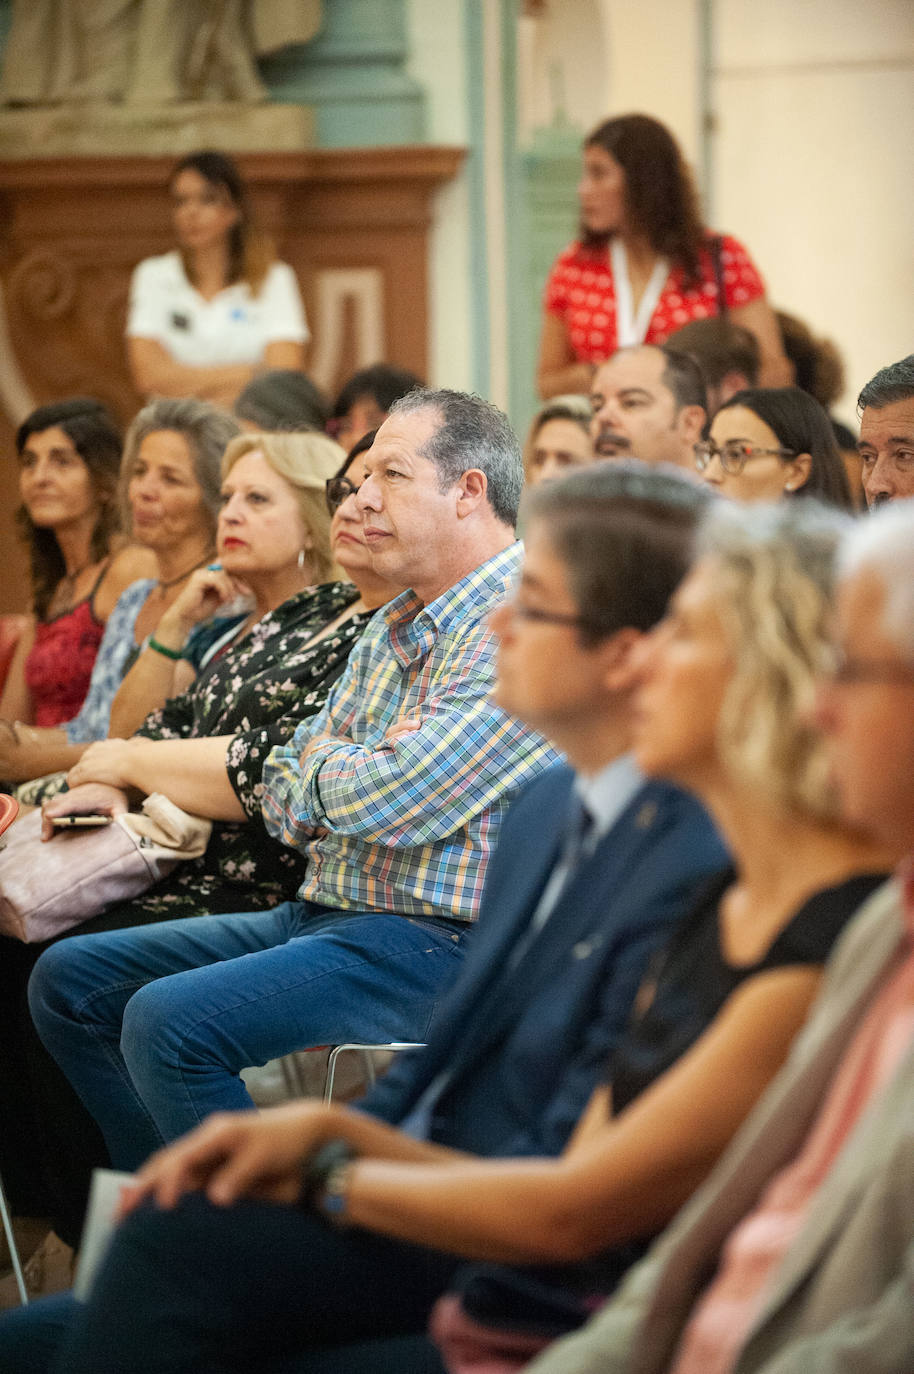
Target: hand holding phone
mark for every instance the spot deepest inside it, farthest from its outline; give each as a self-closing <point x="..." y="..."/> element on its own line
<point x="87" y="822"/>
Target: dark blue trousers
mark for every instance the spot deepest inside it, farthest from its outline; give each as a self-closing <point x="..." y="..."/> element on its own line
<point x="255" y="1287"/>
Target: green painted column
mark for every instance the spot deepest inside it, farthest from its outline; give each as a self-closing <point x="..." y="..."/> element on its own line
<point x="354" y="75"/>
<point x="540" y="212"/>
<point x="550" y="169"/>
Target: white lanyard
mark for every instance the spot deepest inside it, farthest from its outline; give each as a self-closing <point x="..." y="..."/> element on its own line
<point x="631" y="328"/>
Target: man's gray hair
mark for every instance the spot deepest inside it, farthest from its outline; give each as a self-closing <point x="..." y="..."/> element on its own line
<point x="472" y="434"/>
<point x="890" y="384"/>
<point x="883" y="542"/>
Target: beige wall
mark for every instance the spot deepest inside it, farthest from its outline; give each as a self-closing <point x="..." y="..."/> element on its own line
<point x="815" y="114"/>
<point x="653" y="63"/>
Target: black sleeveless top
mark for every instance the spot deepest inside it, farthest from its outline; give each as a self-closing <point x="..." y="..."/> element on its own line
<point x="691" y="978"/>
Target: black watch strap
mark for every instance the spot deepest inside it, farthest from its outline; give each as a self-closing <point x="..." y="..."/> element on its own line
<point x="318" y="1168"/>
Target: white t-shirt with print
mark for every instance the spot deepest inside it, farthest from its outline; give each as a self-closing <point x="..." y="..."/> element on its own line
<point x="234" y="327"/>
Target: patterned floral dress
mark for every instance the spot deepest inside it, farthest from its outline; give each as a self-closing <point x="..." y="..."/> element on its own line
<point x="259" y="690"/>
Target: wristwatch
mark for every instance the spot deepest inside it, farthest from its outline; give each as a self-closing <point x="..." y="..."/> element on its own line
<point x="325" y="1179"/>
<point x="333" y="1199"/>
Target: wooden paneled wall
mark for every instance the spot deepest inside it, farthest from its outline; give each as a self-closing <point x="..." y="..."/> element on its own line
<point x="353" y="223"/>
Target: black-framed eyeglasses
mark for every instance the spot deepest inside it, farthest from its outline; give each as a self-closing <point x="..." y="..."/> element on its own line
<point x="846" y="670"/>
<point x="734" y="454"/>
<point x="337" y="490"/>
<point x="541" y="617"/>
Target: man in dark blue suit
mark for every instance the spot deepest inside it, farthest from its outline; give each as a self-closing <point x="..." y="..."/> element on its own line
<point x="593" y="865"/>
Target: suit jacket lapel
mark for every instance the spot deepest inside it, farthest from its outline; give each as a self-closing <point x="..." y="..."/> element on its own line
<point x="851" y="1175"/>
<point x="601" y="882"/>
<point x="576" y="925"/>
<point x="531" y="869"/>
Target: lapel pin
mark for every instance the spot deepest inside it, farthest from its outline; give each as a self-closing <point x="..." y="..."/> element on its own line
<point x="646" y="816"/>
<point x="584" y="948"/>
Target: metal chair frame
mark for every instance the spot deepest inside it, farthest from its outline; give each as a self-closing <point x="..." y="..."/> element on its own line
<point x="365" y="1050"/>
<point x="13" y="1248"/>
<point x="292" y="1074"/>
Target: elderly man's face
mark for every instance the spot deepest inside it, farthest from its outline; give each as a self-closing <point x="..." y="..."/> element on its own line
<point x="867" y="711"/>
<point x="886" y="448"/>
<point x="635" y="413"/>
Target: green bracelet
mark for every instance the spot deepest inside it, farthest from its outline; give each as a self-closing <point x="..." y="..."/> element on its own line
<point x="153" y="643"/>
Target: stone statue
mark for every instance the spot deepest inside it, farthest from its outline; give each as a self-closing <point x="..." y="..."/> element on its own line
<point x="146" y="52"/>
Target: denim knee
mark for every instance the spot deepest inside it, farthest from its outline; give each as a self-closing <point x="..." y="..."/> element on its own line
<point x="161" y="1030"/>
<point x="150" y="1034"/>
<point x="51" y="982"/>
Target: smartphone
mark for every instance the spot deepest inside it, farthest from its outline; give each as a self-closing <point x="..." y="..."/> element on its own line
<point x="89" y="821"/>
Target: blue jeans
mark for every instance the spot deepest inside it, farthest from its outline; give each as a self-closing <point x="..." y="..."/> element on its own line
<point x="153" y="1025"/>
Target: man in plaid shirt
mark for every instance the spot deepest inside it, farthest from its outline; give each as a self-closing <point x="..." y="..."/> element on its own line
<point x="396" y="790"/>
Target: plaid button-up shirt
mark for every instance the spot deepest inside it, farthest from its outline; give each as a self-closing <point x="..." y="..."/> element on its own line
<point x="410" y="823"/>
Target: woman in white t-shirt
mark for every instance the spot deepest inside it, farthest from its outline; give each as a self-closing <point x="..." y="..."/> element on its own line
<point x="208" y="315"/>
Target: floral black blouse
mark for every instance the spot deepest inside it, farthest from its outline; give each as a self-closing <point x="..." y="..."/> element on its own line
<point x="259" y="690"/>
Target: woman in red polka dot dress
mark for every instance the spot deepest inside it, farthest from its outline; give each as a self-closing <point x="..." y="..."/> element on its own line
<point x="644" y="263"/>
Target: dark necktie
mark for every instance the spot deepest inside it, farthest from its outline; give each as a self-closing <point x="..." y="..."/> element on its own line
<point x="579" y="836"/>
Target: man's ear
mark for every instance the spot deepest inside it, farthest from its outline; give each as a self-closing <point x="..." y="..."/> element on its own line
<point x="690" y="422"/>
<point x="731" y="383"/>
<point x="621" y="653"/>
<point x="471" y="487"/>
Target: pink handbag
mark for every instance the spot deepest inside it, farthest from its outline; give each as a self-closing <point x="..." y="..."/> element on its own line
<point x="46" y="888"/>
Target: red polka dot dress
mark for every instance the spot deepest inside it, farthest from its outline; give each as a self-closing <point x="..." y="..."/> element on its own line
<point x="581" y="292"/>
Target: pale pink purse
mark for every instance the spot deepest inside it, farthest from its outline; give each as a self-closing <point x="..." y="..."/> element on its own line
<point x="46" y="888"/>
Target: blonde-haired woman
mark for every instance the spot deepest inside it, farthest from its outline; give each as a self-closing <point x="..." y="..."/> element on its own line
<point x="245" y="584"/>
<point x="712" y="1023"/>
<point x="277" y="546"/>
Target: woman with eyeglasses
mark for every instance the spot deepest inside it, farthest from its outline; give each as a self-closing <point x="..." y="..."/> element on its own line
<point x="769" y="443"/>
